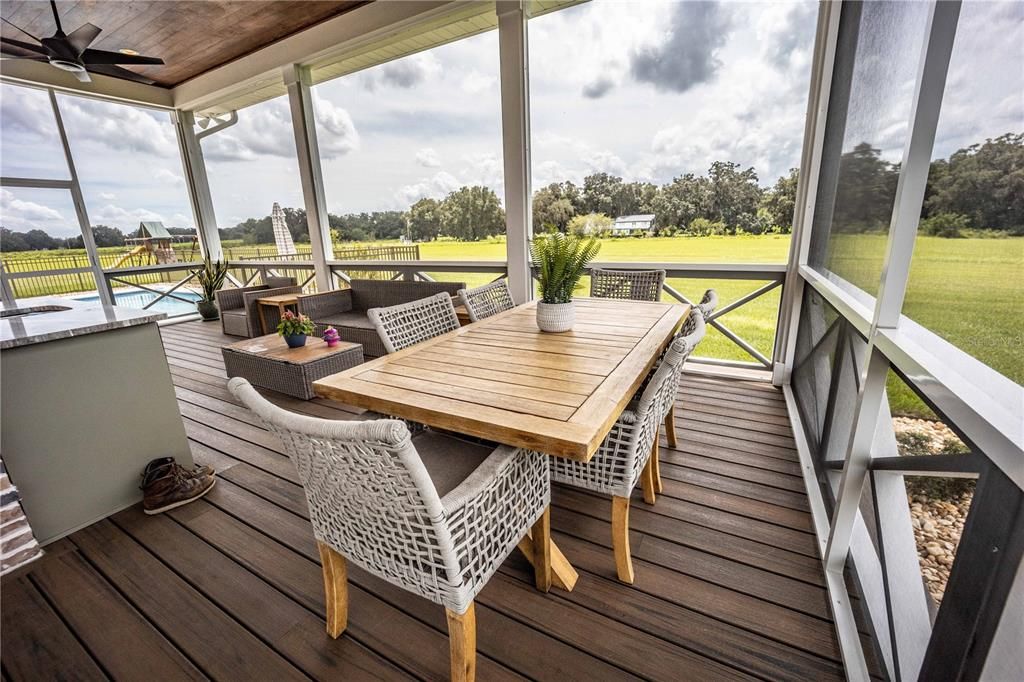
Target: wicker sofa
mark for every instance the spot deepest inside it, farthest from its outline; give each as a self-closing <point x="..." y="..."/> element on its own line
<point x="345" y="309"/>
<point x="238" y="313"/>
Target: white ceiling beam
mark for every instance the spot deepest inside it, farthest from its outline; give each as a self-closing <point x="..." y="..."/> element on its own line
<point x="334" y="36"/>
<point x="26" y="72"/>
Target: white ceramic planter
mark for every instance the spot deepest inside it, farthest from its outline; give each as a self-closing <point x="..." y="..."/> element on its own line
<point x="555" y="317"/>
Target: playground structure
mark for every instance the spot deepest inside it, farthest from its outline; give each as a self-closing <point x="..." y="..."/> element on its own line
<point x="153" y="244"/>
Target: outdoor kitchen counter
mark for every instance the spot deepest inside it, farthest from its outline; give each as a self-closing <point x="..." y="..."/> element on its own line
<point x="39" y="320"/>
<point x="88" y="401"/>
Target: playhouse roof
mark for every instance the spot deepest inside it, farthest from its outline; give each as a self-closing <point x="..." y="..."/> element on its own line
<point x="154" y="229"/>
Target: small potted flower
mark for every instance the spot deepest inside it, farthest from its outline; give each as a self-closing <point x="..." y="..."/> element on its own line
<point x="294" y="328"/>
<point x="332" y="337"/>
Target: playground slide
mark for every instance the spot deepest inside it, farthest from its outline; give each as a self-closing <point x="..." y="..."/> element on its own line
<point x="134" y="252"/>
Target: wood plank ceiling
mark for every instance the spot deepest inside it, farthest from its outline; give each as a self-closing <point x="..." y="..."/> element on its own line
<point x="192" y="37"/>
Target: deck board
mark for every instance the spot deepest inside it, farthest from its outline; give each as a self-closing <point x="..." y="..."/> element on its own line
<point x="728" y="582"/>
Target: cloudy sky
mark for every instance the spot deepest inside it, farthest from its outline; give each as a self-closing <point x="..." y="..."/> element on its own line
<point x="645" y="90"/>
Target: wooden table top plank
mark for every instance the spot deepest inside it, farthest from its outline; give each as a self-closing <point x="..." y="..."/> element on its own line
<point x="482" y="421"/>
<point x="506" y="334"/>
<point x="544" y="346"/>
<point x="473" y="383"/>
<point x="274" y="346"/>
<point x="514" y="356"/>
<point x="611" y="324"/>
<point x="278" y="299"/>
<point x="518" y="386"/>
<point x="582" y="384"/>
<point x="429" y="389"/>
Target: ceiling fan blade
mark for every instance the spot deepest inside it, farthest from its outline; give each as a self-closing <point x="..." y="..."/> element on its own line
<point x="83" y="36"/>
<point x="35" y="38"/>
<point x="18" y="48"/>
<point x="83" y="76"/>
<point x="118" y="72"/>
<point x="104" y="57"/>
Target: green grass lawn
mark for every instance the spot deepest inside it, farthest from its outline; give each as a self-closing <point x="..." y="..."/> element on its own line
<point x="969" y="291"/>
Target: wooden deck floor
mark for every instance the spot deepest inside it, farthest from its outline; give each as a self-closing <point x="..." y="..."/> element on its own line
<point x="728" y="583"/>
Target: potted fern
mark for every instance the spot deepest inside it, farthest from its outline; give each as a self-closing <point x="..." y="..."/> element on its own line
<point x="560" y="260"/>
<point x="211" y="279"/>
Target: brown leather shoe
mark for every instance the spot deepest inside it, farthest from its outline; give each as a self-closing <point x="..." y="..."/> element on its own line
<point x="169" y="485"/>
<point x="197" y="470"/>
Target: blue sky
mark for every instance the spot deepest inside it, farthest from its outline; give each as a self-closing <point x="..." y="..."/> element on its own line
<point x="645" y="90"/>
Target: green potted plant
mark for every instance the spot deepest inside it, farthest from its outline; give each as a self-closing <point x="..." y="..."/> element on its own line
<point x="560" y="260"/>
<point x="294" y="328"/>
<point x="211" y="279"/>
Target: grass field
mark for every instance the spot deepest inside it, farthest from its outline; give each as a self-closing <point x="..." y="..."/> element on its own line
<point x="969" y="291"/>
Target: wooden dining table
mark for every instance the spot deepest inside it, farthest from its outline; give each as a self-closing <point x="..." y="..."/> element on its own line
<point x="503" y="380"/>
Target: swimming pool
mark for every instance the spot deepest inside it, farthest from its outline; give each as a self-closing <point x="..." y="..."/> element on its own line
<point x="139" y="299"/>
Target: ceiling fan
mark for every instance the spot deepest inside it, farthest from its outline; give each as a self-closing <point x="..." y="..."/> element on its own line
<point x="71" y="52"/>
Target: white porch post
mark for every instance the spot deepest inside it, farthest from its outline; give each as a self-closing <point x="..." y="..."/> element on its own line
<point x="198" y="184"/>
<point x="296" y="79"/>
<point x="513" y="48"/>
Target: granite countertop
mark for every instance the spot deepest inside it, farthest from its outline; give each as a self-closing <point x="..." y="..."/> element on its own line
<point x="38" y="320"/>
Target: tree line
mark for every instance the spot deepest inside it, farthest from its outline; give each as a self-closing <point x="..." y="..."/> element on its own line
<point x="978" y="189"/>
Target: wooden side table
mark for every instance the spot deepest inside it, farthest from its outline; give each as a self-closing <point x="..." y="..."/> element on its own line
<point x="281" y="302"/>
<point x="268" y="362"/>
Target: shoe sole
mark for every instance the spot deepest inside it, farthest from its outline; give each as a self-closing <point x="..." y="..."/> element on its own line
<point x="174" y="505"/>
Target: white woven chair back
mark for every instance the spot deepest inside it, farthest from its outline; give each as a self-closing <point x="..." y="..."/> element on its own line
<point x="487" y="300"/>
<point x="706" y="306"/>
<point x="369" y="495"/>
<point x="406" y="324"/>
<point x="634" y="285"/>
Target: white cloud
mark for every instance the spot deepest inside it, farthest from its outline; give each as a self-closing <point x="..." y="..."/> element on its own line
<point x="124" y="219"/>
<point x="404" y="73"/>
<point x="19" y="214"/>
<point x="108" y="196"/>
<point x="427" y="157"/>
<point x="266" y="130"/>
<point x="436" y="187"/>
<point x="164" y="175"/>
<point x="117" y="127"/>
<point x="476" y="82"/>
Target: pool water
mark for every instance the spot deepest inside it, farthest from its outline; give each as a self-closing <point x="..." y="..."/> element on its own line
<point x="139" y="299"/>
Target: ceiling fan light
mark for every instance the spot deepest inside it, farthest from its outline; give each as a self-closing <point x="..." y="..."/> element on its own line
<point x="67" y="65"/>
<point x="127" y="51"/>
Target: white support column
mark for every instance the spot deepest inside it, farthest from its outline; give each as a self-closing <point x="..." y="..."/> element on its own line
<point x="102" y="285"/>
<point x="513" y="47"/>
<point x="198" y="184"/>
<point x="300" y="98"/>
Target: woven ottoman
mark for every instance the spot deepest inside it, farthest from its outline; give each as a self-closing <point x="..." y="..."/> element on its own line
<point x="268" y="362"/>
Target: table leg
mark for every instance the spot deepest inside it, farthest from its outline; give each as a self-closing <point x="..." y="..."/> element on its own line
<point x="263" y="318"/>
<point x="563" y="575"/>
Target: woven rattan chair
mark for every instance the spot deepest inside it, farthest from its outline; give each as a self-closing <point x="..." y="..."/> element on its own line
<point x="487" y="300"/>
<point x="706" y="306"/>
<point x="238" y="312"/>
<point x="634" y="285"/>
<point x="434" y="515"/>
<point x="628" y="453"/>
<point x="406" y="324"/>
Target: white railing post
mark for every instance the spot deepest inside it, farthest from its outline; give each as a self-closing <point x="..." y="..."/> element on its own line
<point x="300" y="98"/>
<point x="513" y="46"/>
<point x="198" y="184"/>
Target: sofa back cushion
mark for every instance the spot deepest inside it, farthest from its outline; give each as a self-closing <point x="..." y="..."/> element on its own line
<point x="375" y="293"/>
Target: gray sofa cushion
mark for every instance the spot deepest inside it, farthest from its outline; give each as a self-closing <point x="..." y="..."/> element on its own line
<point x="356" y="319"/>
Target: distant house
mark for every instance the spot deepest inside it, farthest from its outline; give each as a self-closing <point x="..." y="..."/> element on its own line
<point x="633" y="224"/>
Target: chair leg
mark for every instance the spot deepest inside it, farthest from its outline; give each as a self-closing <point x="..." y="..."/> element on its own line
<point x="541" y="537"/>
<point x="335" y="589"/>
<point x="462" y="642"/>
<point x="620" y="538"/>
<point x="670" y="426"/>
<point x="656" y="466"/>
<point x="647" y="481"/>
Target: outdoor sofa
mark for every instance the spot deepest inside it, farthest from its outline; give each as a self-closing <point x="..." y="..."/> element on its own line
<point x="345" y="309"/>
<point x="238" y="313"/>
